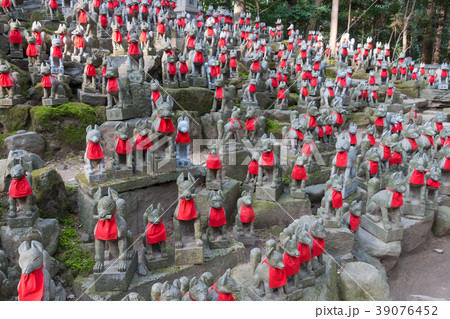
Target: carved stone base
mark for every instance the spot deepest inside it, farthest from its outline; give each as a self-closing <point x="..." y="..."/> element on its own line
<point x="22" y="220"/>
<point x="55" y="102"/>
<point x="7" y="103"/>
<point x="218" y="244"/>
<point x="93" y="99"/>
<point x="294" y="295"/>
<point x="123" y="172"/>
<point x="88" y="89"/>
<point x="319" y="269"/>
<point x="198" y="82"/>
<point x="16" y="54"/>
<point x="120" y="114"/>
<point x="164" y="165"/>
<point x="307" y="281"/>
<point x="214" y="184"/>
<point x="157" y="263"/>
<point x="443" y="87"/>
<point x="113" y="280"/>
<point x="298" y="194"/>
<point x="184" y="84"/>
<point x="247" y="239"/>
<point x="269" y="194"/>
<point x="190" y="255"/>
<point x="254" y="295"/>
<point x="171" y="85"/>
<point x="378" y="231"/>
<point x="412" y="207"/>
<point x="97" y="177"/>
<point x="246" y="104"/>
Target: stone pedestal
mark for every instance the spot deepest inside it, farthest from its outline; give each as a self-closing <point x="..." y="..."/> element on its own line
<point x="22" y="220"/>
<point x="331" y="222"/>
<point x="416" y="230"/>
<point x="171" y="85"/>
<point x="189" y="255"/>
<point x="164" y="165"/>
<point x="7" y="103"/>
<point x="88" y="89"/>
<point x="295" y="294"/>
<point x="120" y="114"/>
<point x="92" y="99"/>
<point x="112" y="280"/>
<point x="198" y="81"/>
<point x="123" y="172"/>
<point x="268" y="193"/>
<point x="377" y="229"/>
<point x="218" y="243"/>
<point x="55" y="102"/>
<point x="306" y="281"/>
<point x="246" y="239"/>
<point x="159" y="262"/>
<point x="319" y="269"/>
<point x="349" y="189"/>
<point x="97" y="177"/>
<point x="235" y="163"/>
<point x="16" y="54"/>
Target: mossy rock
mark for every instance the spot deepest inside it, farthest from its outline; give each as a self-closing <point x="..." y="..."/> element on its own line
<point x="38" y="15"/>
<point x="24" y="80"/>
<point x="360" y="76"/>
<point x="50" y="192"/>
<point x="331" y="72"/>
<point x="359" y="118"/>
<point x="3" y="149"/>
<point x="293" y="99"/>
<point x="192" y="99"/>
<point x="242" y="70"/>
<point x="17" y="118"/>
<point x="274" y="127"/>
<point x="64" y="126"/>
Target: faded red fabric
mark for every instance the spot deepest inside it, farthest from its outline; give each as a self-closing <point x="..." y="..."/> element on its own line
<point x="186" y="209"/>
<point x="161" y="28"/>
<point x="305" y="91"/>
<point x="393" y="129"/>
<point x="281" y="95"/>
<point x="5" y="80"/>
<point x="20" y="188"/>
<point x="172" y="68"/>
<point x="328" y="129"/>
<point x="299" y="173"/>
<point x="247" y="214"/>
<point x="31" y="287"/>
<point x="256" y="66"/>
<point x="375" y="94"/>
<point x="103" y="20"/>
<point x="379" y="121"/>
<point x="331" y="92"/>
<point x="56" y="52"/>
<point x="299" y="133"/>
<point x="373" y="167"/>
<point x="341" y="159"/>
<point x="6" y="4"/>
<point x="277" y="277"/>
<point x="213" y="161"/>
<point x="430" y="138"/>
<point x="320" y="131"/>
<point x="390" y="91"/>
<point x="233" y="62"/>
<point x="447" y="163"/>
<point x="399" y="127"/>
<point x="219" y="92"/>
<point x="183" y="138"/>
<point x="354" y="222"/>
<point x="253" y="167"/>
<point x="155" y="233"/>
<point x="133" y="48"/>
<point x="199" y="57"/>
<point x="82" y="17"/>
<point x="372" y="80"/>
<point x="250" y="124"/>
<point x="432" y="183"/>
<point x="413" y="143"/>
<point x="46" y="81"/>
<point x="94" y="151"/>
<point x="79" y="41"/>
<point x="217" y="217"/>
<point x="90" y="70"/>
<point x="386" y="152"/>
<point x="165" y="125"/>
<point x="371" y="139"/>
<point x="397" y="198"/>
<point x="215" y="71"/>
<point x="267" y="159"/>
<point x="106" y="229"/>
<point x="31" y="50"/>
<point x="113" y="85"/>
<point x="396" y="158"/>
<point x="183" y="68"/>
<point x="117" y="36"/>
<point x="142" y="142"/>
<point x="339" y="118"/>
<point x="384" y="73"/>
<point x="439" y="126"/>
<point x="353" y="140"/>
<point x="318" y="246"/>
<point x="312" y="120"/>
<point x="222" y="295"/>
<point x="305" y="252"/>
<point x="306" y="149"/>
<point x="156" y="95"/>
<point x="291" y="264"/>
<point x="336" y="198"/>
<point x="417" y="177"/>
<point x="15" y="36"/>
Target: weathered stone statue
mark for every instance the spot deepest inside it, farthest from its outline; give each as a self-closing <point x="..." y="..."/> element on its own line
<point x="249" y="96"/>
<point x="269" y="183"/>
<point x="123" y="151"/>
<point x="433" y="184"/>
<point x="183" y="142"/>
<point x="33" y="52"/>
<point x="213" y="169"/>
<point x="54" y="92"/>
<point x="332" y="202"/>
<point x="94" y="155"/>
<point x="282" y="100"/>
<point x="352" y="217"/>
<point x="223" y="96"/>
<point x="198" y="291"/>
<point x="89" y="75"/>
<point x="9" y="86"/>
<point x="343" y="163"/>
<point x="245" y="217"/>
<point x="224" y="288"/>
<point x="217" y="221"/>
<point x="154" y="238"/>
<point x="415" y="195"/>
<point x="15" y="40"/>
<point x="317" y="232"/>
<point x="299" y="176"/>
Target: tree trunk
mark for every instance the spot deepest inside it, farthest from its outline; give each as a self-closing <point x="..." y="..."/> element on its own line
<point x="427" y="49"/>
<point x="439" y="30"/>
<point x="334" y="25"/>
<point x="406" y="23"/>
<point x="313" y="20"/>
<point x="239" y="6"/>
<point x="349" y="18"/>
<point x="257" y="8"/>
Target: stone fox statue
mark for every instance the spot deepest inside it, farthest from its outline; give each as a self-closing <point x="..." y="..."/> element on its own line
<point x="387" y="204"/>
<point x="94" y="151"/>
<point x="155" y="232"/>
<point x="224" y="288"/>
<point x="269" y="171"/>
<point x="20" y="189"/>
<point x="111" y="228"/>
<point x="9" y="82"/>
<point x="51" y="85"/>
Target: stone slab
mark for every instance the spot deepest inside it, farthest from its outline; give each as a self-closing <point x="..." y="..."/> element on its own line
<point x="339" y="241"/>
<point x="92" y="99"/>
<point x="269" y="193"/>
<point x="416" y="230"/>
<point x="55" y="101"/>
<point x="6" y="103"/>
<point x="378" y="231"/>
<point x="117" y="114"/>
<point x="246" y="240"/>
<point x="97" y="177"/>
<point x="112" y="280"/>
<point x="22" y="220"/>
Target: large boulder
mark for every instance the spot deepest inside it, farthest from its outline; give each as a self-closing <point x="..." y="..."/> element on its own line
<point x="209" y="128"/>
<point x="192" y="99"/>
<point x="361" y="281"/>
<point x="441" y="226"/>
<point x="50" y="192"/>
<point x="28" y="141"/>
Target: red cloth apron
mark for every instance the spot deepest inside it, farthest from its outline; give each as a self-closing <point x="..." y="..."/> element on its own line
<point x="417" y="178"/>
<point x="386" y="152"/>
<point x="165" y="125"/>
<point x="267" y="159"/>
<point x="94" y="151"/>
<point x="306" y="149"/>
<point x="336" y="198"/>
<point x="155" y="233"/>
<point x="353" y="140"/>
<point x="5" y="80"/>
<point x="328" y="129"/>
<point x="299" y="173"/>
<point x="183" y="138"/>
<point x="217" y="217"/>
<point x="31" y="287"/>
<point x="90" y="70"/>
<point x="142" y="142"/>
<point x="213" y="161"/>
<point x="186" y="209"/>
<point x="79" y="41"/>
<point x="222" y="295"/>
<point x="305" y="252"/>
<point x="20" y="188"/>
<point x="397" y="198"/>
<point x="133" y="48"/>
<point x="156" y="95"/>
<point x="318" y="246"/>
<point x="250" y="124"/>
<point x="15" y="36"/>
<point x="371" y="139"/>
<point x="341" y="159"/>
<point x="291" y="264"/>
<point x="277" y="277"/>
<point x="354" y="222"/>
<point x="31" y="50"/>
<point x="432" y="183"/>
<point x="413" y="143"/>
<point x="395" y="159"/>
<point x="112" y="85"/>
<point x="247" y="214"/>
<point x="106" y="229"/>
<point x="253" y="167"/>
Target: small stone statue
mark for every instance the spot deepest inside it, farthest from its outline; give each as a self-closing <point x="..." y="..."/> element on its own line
<point x="249" y="95"/>
<point x="94" y="154"/>
<point x="217" y="220"/>
<point x="20" y="191"/>
<point x="123" y="151"/>
<point x="344" y="159"/>
<point x="9" y="86"/>
<point x="198" y="291"/>
<point x="281" y="102"/>
<point x="54" y="92"/>
<point x="134" y="54"/>
<point x="415" y="195"/>
<point x="231" y="130"/>
<point x="56" y="56"/>
<point x="155" y="235"/>
<point x="223" y="97"/>
<point x="33" y="52"/>
<point x="111" y="228"/>
<point x="246" y="216"/>
<point x="224" y="288"/>
<point x="182" y="71"/>
<point x="369" y="167"/>
<point x="327" y="93"/>
<point x="291" y="261"/>
<point x="317" y="232"/>
<point x="89" y="75"/>
<point x="433" y="183"/>
<point x="390" y="93"/>
<point x="115" y="89"/>
<point x="15" y="40"/>
<point x="299" y="176"/>
<point x="252" y="124"/>
<point x="213" y="169"/>
<point x="183" y="142"/>
<point x="331" y="205"/>
<point x="269" y="183"/>
<point x="234" y="72"/>
<point x="352" y="217"/>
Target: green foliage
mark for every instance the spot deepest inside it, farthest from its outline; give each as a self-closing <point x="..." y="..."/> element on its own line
<point x="17" y="118"/>
<point x="3" y="209"/>
<point x="273" y="126"/>
<point x="67" y="123"/>
<point x="70" y="252"/>
<point x="24" y="80"/>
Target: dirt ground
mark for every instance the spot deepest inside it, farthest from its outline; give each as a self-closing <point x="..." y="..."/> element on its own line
<point x="422" y="272"/>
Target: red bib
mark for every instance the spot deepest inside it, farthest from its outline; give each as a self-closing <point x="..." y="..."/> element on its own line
<point x="331" y="92"/>
<point x="15" y="36"/>
<point x="256" y="66"/>
<point x="199" y="57"/>
<point x="328" y="129"/>
<point x="133" y="48"/>
<point x="291" y="264"/>
<point x="90" y="70"/>
<point x="103" y="20"/>
<point x="106" y="229"/>
<point x="79" y="41"/>
<point x="165" y="125"/>
<point x="142" y="142"/>
<point x="299" y="173"/>
<point x="305" y="91"/>
<point x="336" y="198"/>
<point x="186" y="209"/>
<point x="217" y="217"/>
<point x="213" y="161"/>
<point x="253" y="168"/>
<point x="113" y="86"/>
<point x="250" y="124"/>
<point x="384" y="73"/>
<point x="372" y="80"/>
<point x="247" y="214"/>
<point x="318" y="246"/>
<point x="94" y="151"/>
<point x="305" y="252"/>
<point x="31" y="287"/>
<point x="155" y="233"/>
<point x="156" y="95"/>
<point x="373" y="167"/>
<point x="267" y="159"/>
<point x="233" y="62"/>
<point x="395" y="159"/>
<point x="354" y="222"/>
<point x="430" y="138"/>
<point x="223" y="43"/>
<point x="277" y="277"/>
<point x="397" y="198"/>
<point x="215" y="71"/>
<point x="386" y="152"/>
<point x="31" y="50"/>
<point x="399" y="127"/>
<point x="5" y="80"/>
<point x="375" y="95"/>
<point x="312" y="120"/>
<point x="432" y="183"/>
<point x="341" y="159"/>
<point x="371" y="139"/>
<point x="172" y="68"/>
<point x="232" y="120"/>
<point x="117" y="36"/>
<point x="390" y="91"/>
<point x="413" y="143"/>
<point x="379" y="121"/>
<point x="281" y="95"/>
<point x="219" y="92"/>
<point x="417" y="177"/>
<point x="439" y="126"/>
<point x="353" y="140"/>
<point x="306" y="149"/>
<point x="222" y="295"/>
<point x="82" y="17"/>
<point x="46" y="81"/>
<point x="161" y="28"/>
<point x="20" y="188"/>
<point x="183" y="137"/>
<point x="339" y="118"/>
<point x="183" y="68"/>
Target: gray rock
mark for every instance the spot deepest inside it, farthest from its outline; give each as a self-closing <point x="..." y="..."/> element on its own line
<point x="326" y="285"/>
<point x="3" y="174"/>
<point x="92" y="99"/>
<point x="315" y="192"/>
<point x="426" y="298"/>
<point x="361" y="281"/>
<point x="439" y="251"/>
<point x="191" y="99"/>
<point x="339" y="241"/>
<point x="49" y="228"/>
<point x="141" y="98"/>
<point x="13" y="237"/>
<point x="29" y="141"/>
<point x="441" y="226"/>
<point x="416" y="231"/>
<point x="280" y="115"/>
<point x="73" y="72"/>
<point x="85" y="238"/>
<point x="209" y="128"/>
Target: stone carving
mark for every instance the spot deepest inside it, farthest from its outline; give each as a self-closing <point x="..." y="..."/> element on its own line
<point x="217" y="221"/>
<point x="327" y="93"/>
<point x="15" y="40"/>
<point x="143" y="145"/>
<point x="317" y="232"/>
<point x="33" y="52"/>
<point x="36" y="283"/>
<point x="269" y="183"/>
<point x="54" y="92"/>
<point x="223" y="96"/>
<point x="213" y="168"/>
<point x="369" y="167"/>
<point x="198" y="291"/>
<point x="9" y="86"/>
<point x="224" y="288"/>
<point x="352" y="217"/>
<point x="231" y="130"/>
<point x="332" y="202"/>
<point x="433" y="178"/>
<point x="252" y="124"/>
<point x="249" y="95"/>
<point x="246" y="216"/>
<point x="183" y="142"/>
<point x="123" y="151"/>
<point x="415" y="195"/>
<point x="299" y="176"/>
<point x="282" y="100"/>
<point x="89" y="75"/>
<point x="155" y="236"/>
<point x="182" y="71"/>
<point x="94" y="155"/>
<point x="343" y="163"/>
<point x="135" y="55"/>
